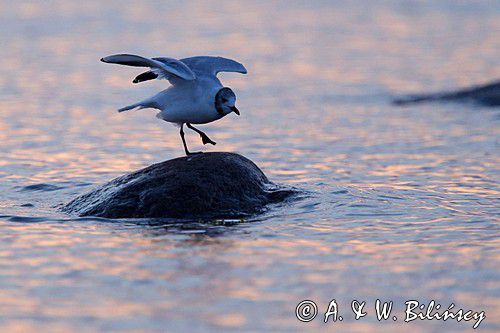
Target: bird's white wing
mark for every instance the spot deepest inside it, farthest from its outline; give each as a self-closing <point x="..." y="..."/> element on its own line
<point x="166" y="68"/>
<point x="213" y="65"/>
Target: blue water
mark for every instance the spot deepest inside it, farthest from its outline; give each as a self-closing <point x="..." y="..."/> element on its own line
<point x="403" y="203"/>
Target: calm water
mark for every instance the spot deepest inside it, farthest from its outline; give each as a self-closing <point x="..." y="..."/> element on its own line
<point x="404" y="203"/>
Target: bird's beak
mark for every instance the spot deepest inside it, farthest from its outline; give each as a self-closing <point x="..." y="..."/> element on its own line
<point x="235" y="110"/>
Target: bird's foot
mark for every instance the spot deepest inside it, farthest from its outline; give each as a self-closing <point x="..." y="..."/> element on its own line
<point x="205" y="139"/>
<point x="189" y="153"/>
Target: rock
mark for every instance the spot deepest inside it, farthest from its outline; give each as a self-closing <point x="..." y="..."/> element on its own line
<point x="487" y="95"/>
<point x="203" y="185"/>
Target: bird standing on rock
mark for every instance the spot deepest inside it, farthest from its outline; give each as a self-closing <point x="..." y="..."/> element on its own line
<point x="196" y="95"/>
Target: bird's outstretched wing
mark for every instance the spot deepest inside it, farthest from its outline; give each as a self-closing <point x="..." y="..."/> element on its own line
<point x="213" y="65"/>
<point x="161" y="68"/>
<point x="203" y="65"/>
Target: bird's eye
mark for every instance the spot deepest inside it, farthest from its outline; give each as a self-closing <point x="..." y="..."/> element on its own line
<point x="224" y="100"/>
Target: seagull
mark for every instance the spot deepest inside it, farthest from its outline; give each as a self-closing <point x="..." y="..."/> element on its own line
<point x="196" y="96"/>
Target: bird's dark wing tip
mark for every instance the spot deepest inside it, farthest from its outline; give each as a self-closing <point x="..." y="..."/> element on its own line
<point x="146" y="76"/>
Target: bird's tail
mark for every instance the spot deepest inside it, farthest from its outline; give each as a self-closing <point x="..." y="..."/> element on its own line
<point x="140" y="105"/>
<point x="130" y="107"/>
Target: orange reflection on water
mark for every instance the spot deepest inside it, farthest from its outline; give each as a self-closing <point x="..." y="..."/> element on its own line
<point x="399" y="202"/>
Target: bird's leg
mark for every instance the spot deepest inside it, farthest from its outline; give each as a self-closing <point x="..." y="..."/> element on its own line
<point x="184" y="143"/>
<point x="204" y="138"/>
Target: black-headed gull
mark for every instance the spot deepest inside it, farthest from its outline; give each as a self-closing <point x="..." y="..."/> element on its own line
<point x="196" y="95"/>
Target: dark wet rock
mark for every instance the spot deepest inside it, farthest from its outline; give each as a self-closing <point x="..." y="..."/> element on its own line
<point x="487" y="95"/>
<point x="204" y="185"/>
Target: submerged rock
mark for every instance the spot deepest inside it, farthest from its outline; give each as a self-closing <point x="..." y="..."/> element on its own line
<point x="203" y="185"/>
<point x="487" y="95"/>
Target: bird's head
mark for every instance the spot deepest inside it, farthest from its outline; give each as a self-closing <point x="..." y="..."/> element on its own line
<point x="225" y="101"/>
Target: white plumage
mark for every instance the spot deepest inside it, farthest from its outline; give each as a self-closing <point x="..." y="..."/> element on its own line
<point x="196" y="95"/>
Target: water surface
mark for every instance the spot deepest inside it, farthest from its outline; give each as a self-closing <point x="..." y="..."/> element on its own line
<point x="404" y="201"/>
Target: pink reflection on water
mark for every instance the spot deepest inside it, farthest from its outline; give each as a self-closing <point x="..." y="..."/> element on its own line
<point x="306" y="119"/>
